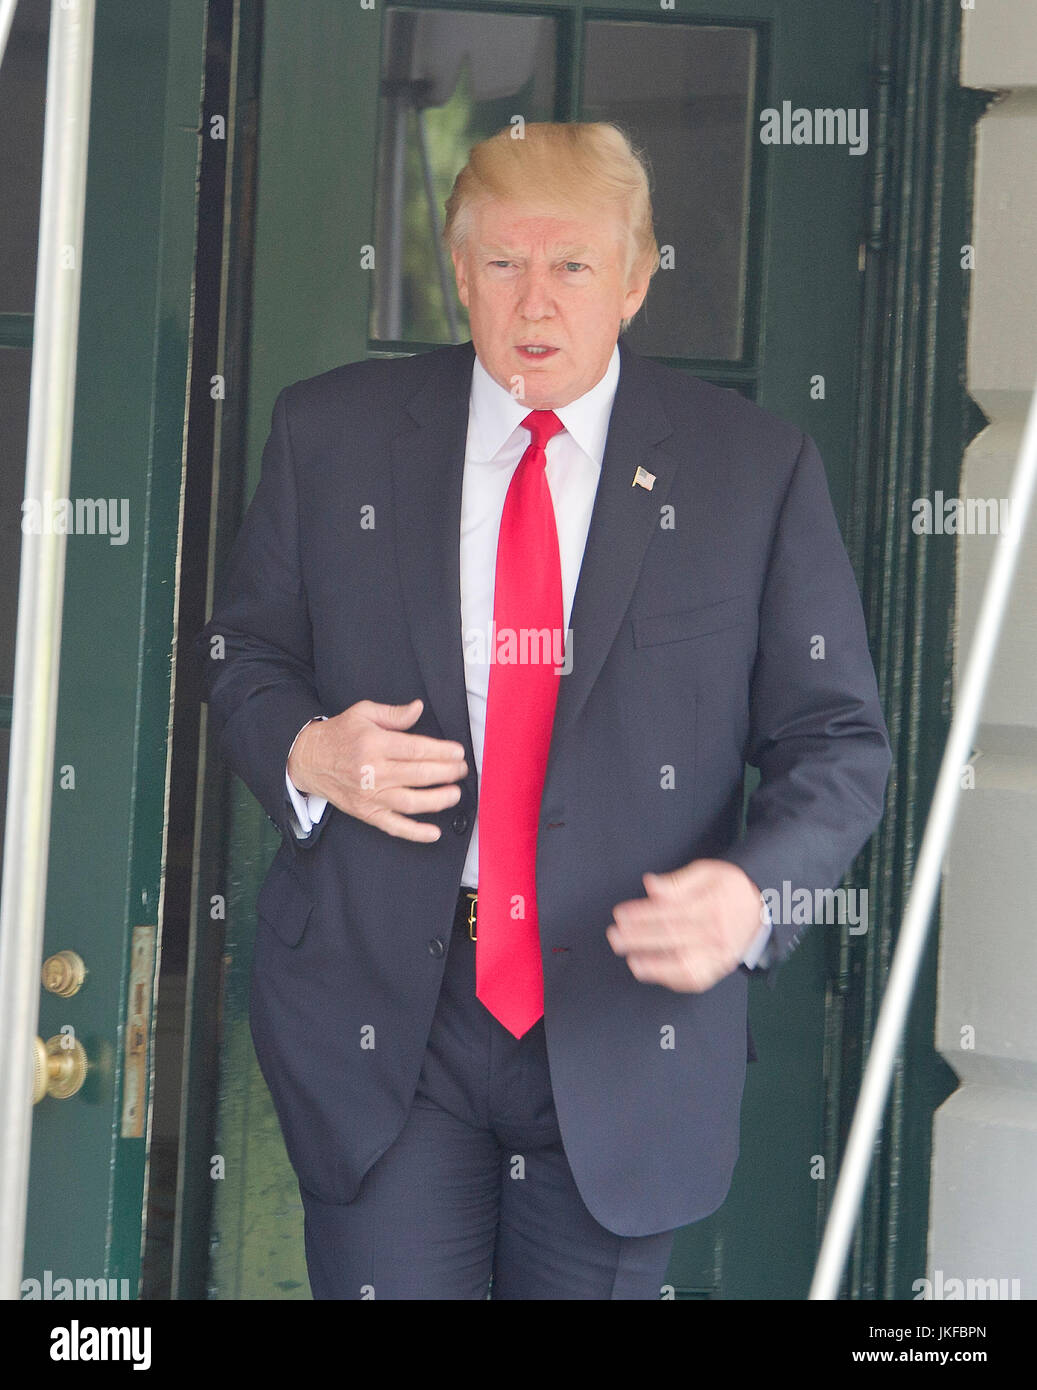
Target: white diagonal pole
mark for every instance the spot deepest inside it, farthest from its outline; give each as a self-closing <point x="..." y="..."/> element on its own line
<point x="7" y="8"/>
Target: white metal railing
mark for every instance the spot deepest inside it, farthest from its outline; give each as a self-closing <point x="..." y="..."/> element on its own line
<point x="878" y="1074"/>
<point x="7" y="8"/>
<point x="40" y="592"/>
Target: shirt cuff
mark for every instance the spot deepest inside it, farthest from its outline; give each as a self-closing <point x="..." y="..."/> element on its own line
<point x="308" y="809"/>
<point x="758" y="953"/>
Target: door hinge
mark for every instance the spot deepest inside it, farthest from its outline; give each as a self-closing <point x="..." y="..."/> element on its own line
<point x="138" y="1033"/>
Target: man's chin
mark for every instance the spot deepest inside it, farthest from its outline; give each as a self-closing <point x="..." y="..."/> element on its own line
<point x="545" y="388"/>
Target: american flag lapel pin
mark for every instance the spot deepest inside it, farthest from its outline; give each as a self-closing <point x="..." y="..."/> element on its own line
<point x="642" y="478"/>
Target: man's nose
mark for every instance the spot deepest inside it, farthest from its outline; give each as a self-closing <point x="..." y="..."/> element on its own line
<point x="537" y="299"/>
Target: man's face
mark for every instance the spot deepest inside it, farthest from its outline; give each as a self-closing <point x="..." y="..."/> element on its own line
<point x="531" y="279"/>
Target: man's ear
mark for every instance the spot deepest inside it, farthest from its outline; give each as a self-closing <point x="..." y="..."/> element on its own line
<point x="637" y="289"/>
<point x="461" y="276"/>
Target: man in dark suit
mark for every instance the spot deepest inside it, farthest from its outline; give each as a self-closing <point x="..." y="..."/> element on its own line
<point x="515" y="1053"/>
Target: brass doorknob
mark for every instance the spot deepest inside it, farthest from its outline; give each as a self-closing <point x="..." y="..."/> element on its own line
<point x="64" y="974"/>
<point x="59" y="1068"/>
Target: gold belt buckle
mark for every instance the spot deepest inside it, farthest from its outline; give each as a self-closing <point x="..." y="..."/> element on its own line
<point x="472" y="898"/>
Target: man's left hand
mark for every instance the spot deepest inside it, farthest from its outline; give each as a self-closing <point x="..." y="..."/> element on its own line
<point x="692" y="929"/>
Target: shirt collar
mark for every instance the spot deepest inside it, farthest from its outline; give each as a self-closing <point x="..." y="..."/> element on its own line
<point x="496" y="414"/>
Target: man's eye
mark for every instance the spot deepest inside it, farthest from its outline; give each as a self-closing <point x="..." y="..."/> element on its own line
<point x="575" y="265"/>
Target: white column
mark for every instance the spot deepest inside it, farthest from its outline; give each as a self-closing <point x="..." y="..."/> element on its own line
<point x="983" y="1204"/>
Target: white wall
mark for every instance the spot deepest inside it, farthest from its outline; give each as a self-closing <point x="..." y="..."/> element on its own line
<point x="983" y="1206"/>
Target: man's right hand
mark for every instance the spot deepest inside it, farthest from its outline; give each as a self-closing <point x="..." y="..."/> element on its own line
<point x="364" y="764"/>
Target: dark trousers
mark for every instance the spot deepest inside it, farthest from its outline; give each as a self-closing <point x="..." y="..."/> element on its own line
<point x="476" y="1196"/>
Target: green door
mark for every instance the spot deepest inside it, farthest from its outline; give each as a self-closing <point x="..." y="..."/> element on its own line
<point x="104" y="891"/>
<point x="759" y="118"/>
<point x="362" y="112"/>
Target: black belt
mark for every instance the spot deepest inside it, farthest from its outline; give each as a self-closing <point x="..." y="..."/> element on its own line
<point x="466" y="910"/>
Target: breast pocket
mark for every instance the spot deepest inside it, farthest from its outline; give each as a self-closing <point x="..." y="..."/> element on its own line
<point x="690" y="623"/>
<point x="285" y="904"/>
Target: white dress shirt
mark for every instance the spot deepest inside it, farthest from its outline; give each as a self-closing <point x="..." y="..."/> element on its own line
<point x="496" y="442"/>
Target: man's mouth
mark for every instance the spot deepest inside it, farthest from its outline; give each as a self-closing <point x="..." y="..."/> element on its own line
<point x="536" y="352"/>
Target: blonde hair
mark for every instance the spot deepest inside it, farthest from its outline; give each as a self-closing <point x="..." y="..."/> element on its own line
<point x="577" y="164"/>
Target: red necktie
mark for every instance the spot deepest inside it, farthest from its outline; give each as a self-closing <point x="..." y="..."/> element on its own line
<point x="520" y="707"/>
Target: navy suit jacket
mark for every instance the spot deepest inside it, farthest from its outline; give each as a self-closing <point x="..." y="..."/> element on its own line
<point x="694" y="631"/>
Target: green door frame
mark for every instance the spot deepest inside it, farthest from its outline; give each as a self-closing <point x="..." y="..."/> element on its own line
<point x="89" y="1153"/>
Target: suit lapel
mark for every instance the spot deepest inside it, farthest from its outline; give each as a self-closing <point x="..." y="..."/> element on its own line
<point x="428" y="472"/>
<point x="623" y="521"/>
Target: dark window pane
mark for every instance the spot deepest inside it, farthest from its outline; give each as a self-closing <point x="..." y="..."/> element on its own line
<point x="449" y="79"/>
<point x="684" y="94"/>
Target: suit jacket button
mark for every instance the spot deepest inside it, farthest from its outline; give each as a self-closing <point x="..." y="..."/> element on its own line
<point x="436" y="947"/>
<point x="460" y="822"/>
